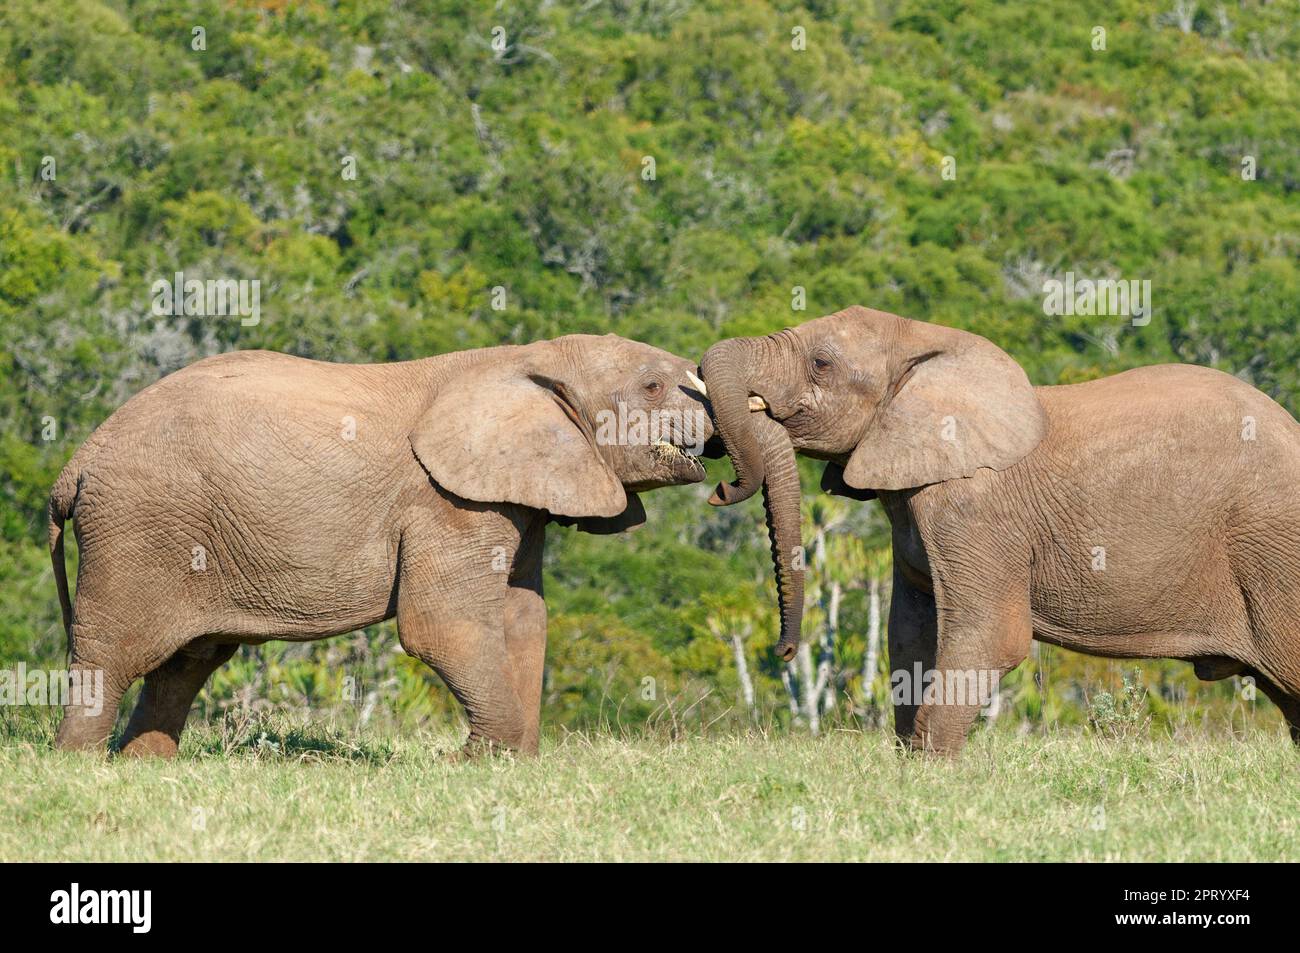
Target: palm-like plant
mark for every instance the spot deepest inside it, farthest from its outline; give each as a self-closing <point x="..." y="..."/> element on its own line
<point x="848" y="550"/>
<point x="733" y="617"/>
<point x="877" y="568"/>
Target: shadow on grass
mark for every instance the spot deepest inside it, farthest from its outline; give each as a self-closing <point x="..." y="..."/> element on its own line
<point x="263" y="737"/>
<point x="272" y="737"/>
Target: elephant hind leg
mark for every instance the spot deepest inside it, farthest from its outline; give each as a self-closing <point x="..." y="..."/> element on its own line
<point x="109" y="653"/>
<point x="169" y="691"/>
<point x="1287" y="701"/>
<point x="91" y="709"/>
<point x="101" y="669"/>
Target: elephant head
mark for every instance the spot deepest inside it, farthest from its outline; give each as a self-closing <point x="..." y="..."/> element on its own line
<point x="890" y="403"/>
<point x="576" y="426"/>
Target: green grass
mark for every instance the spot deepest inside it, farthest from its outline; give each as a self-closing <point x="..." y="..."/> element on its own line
<point x="258" y="792"/>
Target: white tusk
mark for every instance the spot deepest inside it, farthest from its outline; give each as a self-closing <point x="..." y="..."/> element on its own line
<point x="697" y="384"/>
<point x="757" y="403"/>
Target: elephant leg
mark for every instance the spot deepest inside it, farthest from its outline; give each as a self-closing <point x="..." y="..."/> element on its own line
<point x="913" y="627"/>
<point x="1287" y="702"/>
<point x="117" y="637"/>
<point x="104" y="665"/>
<point x="525" y="632"/>
<point x="88" y="717"/>
<point x="985" y="630"/>
<point x="471" y="656"/>
<point x="451" y="616"/>
<point x="169" y="692"/>
<point x="1290" y="706"/>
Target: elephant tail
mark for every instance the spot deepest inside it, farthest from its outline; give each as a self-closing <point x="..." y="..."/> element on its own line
<point x="63" y="498"/>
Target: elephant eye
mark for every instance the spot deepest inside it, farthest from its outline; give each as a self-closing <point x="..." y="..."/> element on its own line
<point x="821" y="363"/>
<point x="653" y="388"/>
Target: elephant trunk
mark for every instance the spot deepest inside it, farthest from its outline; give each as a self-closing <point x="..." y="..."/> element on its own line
<point x="762" y="454"/>
<point x="781" y="500"/>
<point x="729" y="394"/>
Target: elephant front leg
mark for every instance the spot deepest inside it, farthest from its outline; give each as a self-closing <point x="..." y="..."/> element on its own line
<point x="526" y="647"/>
<point x="470" y="655"/>
<point x="981" y="638"/>
<point x="913" y="628"/>
<point x="453" y="620"/>
<point x="525" y="633"/>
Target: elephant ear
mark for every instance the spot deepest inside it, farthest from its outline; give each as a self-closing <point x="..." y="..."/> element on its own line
<point x="506" y="436"/>
<point x="954" y="403"/>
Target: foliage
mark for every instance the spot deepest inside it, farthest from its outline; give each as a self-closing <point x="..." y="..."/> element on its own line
<point x="1121" y="714"/>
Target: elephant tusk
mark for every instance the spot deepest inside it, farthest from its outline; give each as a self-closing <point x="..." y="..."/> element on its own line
<point x="697" y="384"/>
<point x="757" y="403"/>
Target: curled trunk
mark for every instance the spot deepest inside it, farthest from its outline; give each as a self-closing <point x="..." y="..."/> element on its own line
<point x="762" y="454"/>
<point x="724" y="367"/>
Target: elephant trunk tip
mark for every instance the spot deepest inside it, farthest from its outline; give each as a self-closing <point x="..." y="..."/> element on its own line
<point x="725" y="369"/>
<point x="786" y="649"/>
<point x="727" y="494"/>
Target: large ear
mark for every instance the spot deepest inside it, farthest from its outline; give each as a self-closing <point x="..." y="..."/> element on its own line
<point x="497" y="434"/>
<point x="954" y="403"/>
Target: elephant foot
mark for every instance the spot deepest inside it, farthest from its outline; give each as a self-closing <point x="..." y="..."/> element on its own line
<point x="150" y="744"/>
<point x="478" y="748"/>
<point x="933" y="747"/>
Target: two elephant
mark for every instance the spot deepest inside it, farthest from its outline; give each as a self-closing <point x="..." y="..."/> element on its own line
<point x="1155" y="513"/>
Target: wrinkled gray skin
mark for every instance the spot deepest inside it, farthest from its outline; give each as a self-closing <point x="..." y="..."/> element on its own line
<point x="1155" y="513"/>
<point x="256" y="496"/>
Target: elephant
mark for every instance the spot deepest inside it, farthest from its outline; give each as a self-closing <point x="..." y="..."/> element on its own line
<point x="255" y="495"/>
<point x="1153" y="513"/>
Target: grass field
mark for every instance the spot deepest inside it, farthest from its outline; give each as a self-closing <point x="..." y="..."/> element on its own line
<point x="265" y="793"/>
